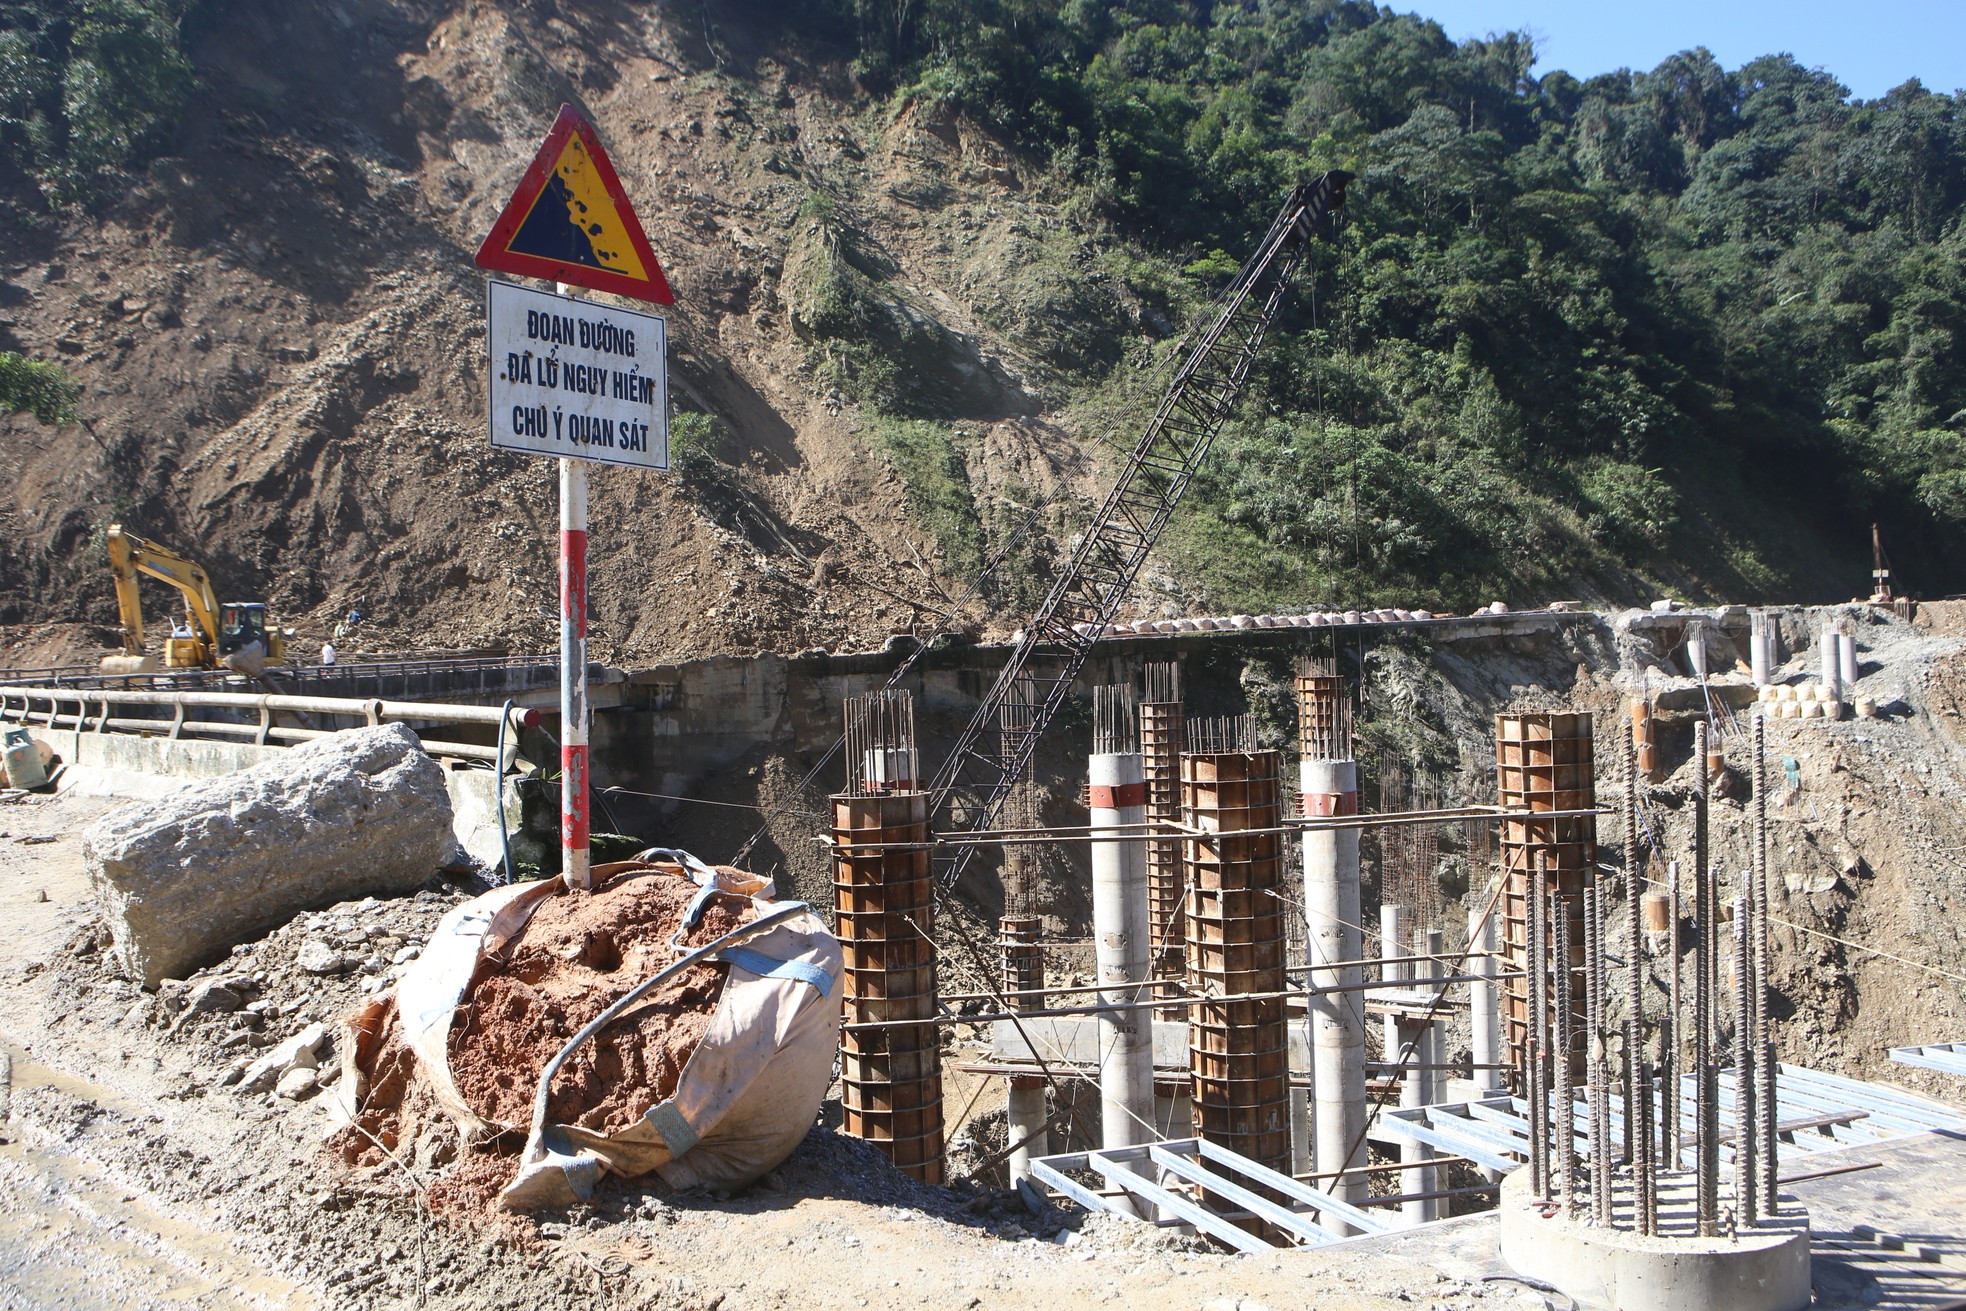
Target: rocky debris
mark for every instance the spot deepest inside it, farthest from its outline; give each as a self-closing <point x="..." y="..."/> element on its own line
<point x="295" y="1084"/>
<point x="289" y="1013"/>
<point x="298" y="1053"/>
<point x="317" y="957"/>
<point x="183" y="878"/>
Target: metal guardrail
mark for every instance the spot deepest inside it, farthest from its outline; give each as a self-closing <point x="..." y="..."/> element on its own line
<point x="90" y="710"/>
<point x="92" y="678"/>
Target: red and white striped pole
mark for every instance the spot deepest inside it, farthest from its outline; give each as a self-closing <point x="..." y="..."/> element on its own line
<point x="573" y="671"/>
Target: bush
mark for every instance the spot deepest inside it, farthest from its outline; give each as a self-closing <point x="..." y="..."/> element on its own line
<point x="34" y="387"/>
<point x="90" y="87"/>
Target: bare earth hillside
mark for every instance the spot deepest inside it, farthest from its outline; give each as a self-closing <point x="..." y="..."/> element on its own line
<point x="279" y="336"/>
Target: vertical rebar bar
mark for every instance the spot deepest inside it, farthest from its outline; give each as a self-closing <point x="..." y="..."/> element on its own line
<point x="1634" y="917"/>
<point x="1747" y="1127"/>
<point x="1763" y="1029"/>
<point x="1535" y="1036"/>
<point x="1563" y="1113"/>
<point x="1644" y="1168"/>
<point x="1670" y="1043"/>
<point x="1598" y="1077"/>
<point x="1706" y="1132"/>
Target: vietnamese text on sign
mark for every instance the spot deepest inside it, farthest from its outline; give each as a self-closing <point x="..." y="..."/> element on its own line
<point x="576" y="379"/>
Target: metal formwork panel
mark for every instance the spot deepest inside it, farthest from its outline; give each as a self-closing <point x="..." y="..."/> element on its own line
<point x="1544" y="762"/>
<point x="1238" y="1046"/>
<point x="883" y="890"/>
<point x="1162" y="733"/>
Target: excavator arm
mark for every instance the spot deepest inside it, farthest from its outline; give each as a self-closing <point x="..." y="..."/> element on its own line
<point x="130" y="555"/>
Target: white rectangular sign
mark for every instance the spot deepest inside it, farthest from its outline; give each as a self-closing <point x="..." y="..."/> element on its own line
<point x="576" y="379"/>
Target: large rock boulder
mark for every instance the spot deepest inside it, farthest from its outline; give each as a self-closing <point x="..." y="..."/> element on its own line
<point x="184" y="878"/>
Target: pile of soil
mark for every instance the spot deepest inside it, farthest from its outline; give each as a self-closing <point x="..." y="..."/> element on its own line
<point x="578" y="955"/>
<point x="575" y="957"/>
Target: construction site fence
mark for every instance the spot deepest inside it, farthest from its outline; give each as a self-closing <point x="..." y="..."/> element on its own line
<point x="94" y="710"/>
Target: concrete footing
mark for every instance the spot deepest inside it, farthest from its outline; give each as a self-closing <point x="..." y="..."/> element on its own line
<point x="1764" y="1268"/>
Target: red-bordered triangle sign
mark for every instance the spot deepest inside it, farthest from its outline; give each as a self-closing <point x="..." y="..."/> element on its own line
<point x="570" y="221"/>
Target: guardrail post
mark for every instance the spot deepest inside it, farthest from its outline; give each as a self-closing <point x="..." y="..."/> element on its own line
<point x="177" y="722"/>
<point x="265" y="723"/>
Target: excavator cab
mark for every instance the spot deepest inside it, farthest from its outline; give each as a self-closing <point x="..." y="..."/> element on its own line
<point x="240" y="624"/>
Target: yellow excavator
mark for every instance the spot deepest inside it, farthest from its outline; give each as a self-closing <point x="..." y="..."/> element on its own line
<point x="233" y="636"/>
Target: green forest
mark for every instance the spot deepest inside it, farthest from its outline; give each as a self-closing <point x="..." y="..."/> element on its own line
<point x="1689" y="327"/>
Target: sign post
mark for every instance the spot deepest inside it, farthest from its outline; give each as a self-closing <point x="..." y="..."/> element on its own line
<point x="578" y="381"/>
<point x="575" y="714"/>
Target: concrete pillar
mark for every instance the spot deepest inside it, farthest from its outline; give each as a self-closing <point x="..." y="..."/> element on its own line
<point x="1025" y="1118"/>
<point x="1174" y="1109"/>
<point x="1301" y="1160"/>
<point x="1120" y="943"/>
<point x="1482" y="1008"/>
<point x="1846" y="659"/>
<point x="1331" y="915"/>
<point x="1392" y="938"/>
<point x="1761" y="647"/>
<point x="1832" y="662"/>
<point x="1417" y="1089"/>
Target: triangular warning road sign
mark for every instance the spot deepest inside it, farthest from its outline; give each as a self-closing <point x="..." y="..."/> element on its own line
<point x="570" y="221"/>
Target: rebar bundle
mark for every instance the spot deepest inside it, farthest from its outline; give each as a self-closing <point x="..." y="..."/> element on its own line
<point x="1163" y="739"/>
<point x="1570" y="1074"/>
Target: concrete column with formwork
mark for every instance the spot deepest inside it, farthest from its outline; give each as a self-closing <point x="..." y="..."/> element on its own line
<point x="1832" y="662"/>
<point x="890" y="1075"/>
<point x="1334" y="940"/>
<point x="1761" y="647"/>
<point x="1846" y="656"/>
<point x="1238" y="1046"/>
<point x="1545" y="764"/>
<point x="1120" y="949"/>
<point x="1162" y="738"/>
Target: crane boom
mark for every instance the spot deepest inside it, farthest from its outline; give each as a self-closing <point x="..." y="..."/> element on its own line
<point x="994" y="751"/>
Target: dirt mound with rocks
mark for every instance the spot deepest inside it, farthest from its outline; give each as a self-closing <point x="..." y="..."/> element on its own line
<point x="309" y="971"/>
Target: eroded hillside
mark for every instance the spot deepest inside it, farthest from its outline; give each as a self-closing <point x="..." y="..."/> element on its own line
<point x="278" y="333"/>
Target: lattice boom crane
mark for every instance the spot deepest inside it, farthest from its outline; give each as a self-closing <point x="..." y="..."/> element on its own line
<point x="994" y="750"/>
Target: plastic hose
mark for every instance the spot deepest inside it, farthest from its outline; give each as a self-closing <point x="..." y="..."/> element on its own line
<point x="770" y="920"/>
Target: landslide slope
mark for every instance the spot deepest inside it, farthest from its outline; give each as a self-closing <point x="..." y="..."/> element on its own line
<point x="278" y="332"/>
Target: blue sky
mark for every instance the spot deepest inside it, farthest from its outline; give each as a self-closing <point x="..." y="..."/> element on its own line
<point x="1869" y="47"/>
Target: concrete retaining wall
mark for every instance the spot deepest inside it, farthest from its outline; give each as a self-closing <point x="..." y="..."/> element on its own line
<point x="145" y="768"/>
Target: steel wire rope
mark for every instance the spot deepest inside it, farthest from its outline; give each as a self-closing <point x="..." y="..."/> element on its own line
<point x="907" y="665"/>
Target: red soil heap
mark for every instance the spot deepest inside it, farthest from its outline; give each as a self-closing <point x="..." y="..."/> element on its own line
<point x="578" y="955"/>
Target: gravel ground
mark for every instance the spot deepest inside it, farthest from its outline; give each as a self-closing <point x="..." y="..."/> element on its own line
<point x="140" y="1176"/>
